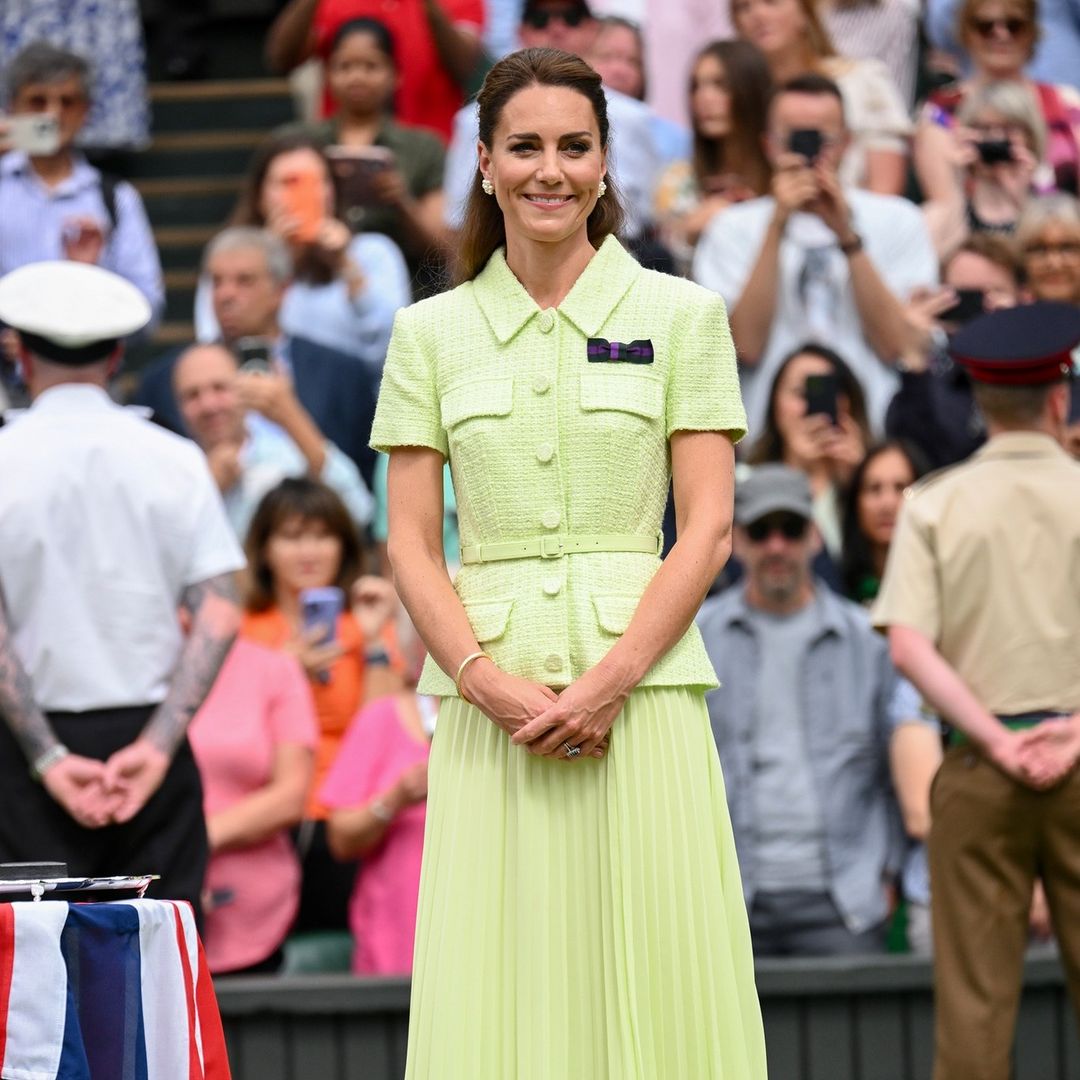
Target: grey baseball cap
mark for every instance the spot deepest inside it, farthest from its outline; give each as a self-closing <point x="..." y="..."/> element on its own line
<point x="771" y="489"/>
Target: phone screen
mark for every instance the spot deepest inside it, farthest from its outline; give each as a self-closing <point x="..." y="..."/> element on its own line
<point x="34" y="133"/>
<point x="994" y="151"/>
<point x="319" y="610"/>
<point x="254" y="354"/>
<point x="356" y="169"/>
<point x="821" y="396"/>
<point x="806" y="141"/>
<point x="304" y="200"/>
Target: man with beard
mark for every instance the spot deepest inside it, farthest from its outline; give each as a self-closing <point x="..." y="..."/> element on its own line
<point x="802" y="722"/>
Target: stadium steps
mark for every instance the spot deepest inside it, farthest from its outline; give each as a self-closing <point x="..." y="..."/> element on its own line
<point x="190" y="178"/>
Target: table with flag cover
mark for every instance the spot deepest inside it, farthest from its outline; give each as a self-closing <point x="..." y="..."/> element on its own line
<point x="107" y="991"/>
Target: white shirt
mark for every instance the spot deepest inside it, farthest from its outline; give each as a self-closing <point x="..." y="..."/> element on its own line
<point x="815" y="300"/>
<point x="632" y="157"/>
<point x="105" y="519"/>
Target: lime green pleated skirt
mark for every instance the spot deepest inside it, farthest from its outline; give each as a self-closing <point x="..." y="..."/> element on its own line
<point x="582" y="920"/>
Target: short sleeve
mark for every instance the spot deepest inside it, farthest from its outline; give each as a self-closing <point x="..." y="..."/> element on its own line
<point x="703" y="384"/>
<point x="357" y="770"/>
<point x="407" y="413"/>
<point x="214" y="547"/>
<point x="291" y="709"/>
<point x="909" y="593"/>
<point x="875" y="109"/>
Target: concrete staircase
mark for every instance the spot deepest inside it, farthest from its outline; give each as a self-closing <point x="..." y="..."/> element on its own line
<point x="204" y="134"/>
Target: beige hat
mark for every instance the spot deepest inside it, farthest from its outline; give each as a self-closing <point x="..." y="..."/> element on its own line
<point x="71" y="312"/>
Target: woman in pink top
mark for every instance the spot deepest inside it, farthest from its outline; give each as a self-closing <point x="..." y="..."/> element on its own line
<point x="377" y="795"/>
<point x="254" y="740"/>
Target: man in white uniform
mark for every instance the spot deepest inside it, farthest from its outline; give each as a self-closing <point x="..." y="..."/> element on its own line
<point x="108" y="527"/>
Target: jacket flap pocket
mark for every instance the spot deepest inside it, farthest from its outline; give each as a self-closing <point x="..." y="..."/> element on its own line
<point x="624" y="393"/>
<point x="488" y="618"/>
<point x="480" y="397"/>
<point x="614" y="613"/>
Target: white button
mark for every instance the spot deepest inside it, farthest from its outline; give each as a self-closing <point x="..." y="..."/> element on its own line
<point x="541" y="384"/>
<point x="553" y="662"/>
<point x="551" y="519"/>
<point x="547" y="321"/>
<point x="545" y="452"/>
<point x="552" y="586"/>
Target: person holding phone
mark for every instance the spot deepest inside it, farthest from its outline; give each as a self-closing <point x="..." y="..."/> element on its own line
<point x="53" y="203"/>
<point x="999" y="37"/>
<point x="345" y="289"/>
<point x="815" y="259"/>
<point x="389" y="174"/>
<point x="816" y="423"/>
<point x="302" y="538"/>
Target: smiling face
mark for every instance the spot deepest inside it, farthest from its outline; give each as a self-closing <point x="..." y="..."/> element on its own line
<point x="303" y="553"/>
<point x="616" y="57"/>
<point x="1052" y="262"/>
<point x="1000" y="38"/>
<point x="546" y="163"/>
<point x="204" y="384"/>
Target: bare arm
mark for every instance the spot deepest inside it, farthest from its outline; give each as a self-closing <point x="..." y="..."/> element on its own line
<point x="703" y="470"/>
<point x="752" y="315"/>
<point x="886" y="172"/>
<point x="215" y="612"/>
<point x="352" y="832"/>
<point x="934" y="156"/>
<point x="915" y="656"/>
<point x="880" y="312"/>
<point x="21" y="713"/>
<point x="288" y="41"/>
<point x="914" y="757"/>
<point x="459" y="50"/>
<point x="277" y="806"/>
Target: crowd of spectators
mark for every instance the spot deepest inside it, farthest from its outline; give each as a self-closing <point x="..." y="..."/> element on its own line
<point x="856" y="180"/>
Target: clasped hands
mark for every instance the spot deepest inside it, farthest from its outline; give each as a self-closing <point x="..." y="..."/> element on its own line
<point x="1041" y="756"/>
<point x="98" y="793"/>
<point x="541" y="719"/>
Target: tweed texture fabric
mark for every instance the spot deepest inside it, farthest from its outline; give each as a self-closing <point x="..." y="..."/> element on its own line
<point x="542" y="440"/>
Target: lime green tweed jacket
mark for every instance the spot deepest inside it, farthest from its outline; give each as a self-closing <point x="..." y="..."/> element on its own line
<point x="545" y="440"/>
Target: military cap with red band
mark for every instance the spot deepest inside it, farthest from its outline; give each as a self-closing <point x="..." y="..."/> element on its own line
<point x="1029" y="345"/>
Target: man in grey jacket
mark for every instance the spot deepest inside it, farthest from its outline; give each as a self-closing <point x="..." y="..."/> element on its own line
<point x="802" y="723"/>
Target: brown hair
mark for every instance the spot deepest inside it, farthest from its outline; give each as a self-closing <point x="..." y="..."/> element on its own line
<point x="750" y="86"/>
<point x="1012" y="406"/>
<point x="311" y="263"/>
<point x="484" y="229"/>
<point x="818" y="43"/>
<point x="1029" y="10"/>
<point x="994" y="249"/>
<point x="310" y="501"/>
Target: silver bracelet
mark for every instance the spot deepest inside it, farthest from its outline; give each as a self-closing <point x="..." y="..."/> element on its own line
<point x="381" y="811"/>
<point x="43" y="762"/>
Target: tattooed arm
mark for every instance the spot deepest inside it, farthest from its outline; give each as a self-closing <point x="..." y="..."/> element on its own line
<point x="135" y="772"/>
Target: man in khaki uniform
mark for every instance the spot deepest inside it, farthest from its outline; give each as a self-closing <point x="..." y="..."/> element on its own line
<point x="981" y="599"/>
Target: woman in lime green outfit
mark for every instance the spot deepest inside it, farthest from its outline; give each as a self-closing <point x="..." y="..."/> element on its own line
<point x="581" y="914"/>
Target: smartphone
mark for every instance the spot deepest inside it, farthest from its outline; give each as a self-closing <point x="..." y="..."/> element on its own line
<point x="303" y="198"/>
<point x="822" y="392"/>
<point x="319" y="610"/>
<point x="970" y="304"/>
<point x="253" y="353"/>
<point x="994" y="151"/>
<point x="355" y="169"/>
<point x="806" y="141"/>
<point x="37" y="134"/>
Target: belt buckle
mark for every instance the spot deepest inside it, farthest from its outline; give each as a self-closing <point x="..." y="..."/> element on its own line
<point x="551" y="547"/>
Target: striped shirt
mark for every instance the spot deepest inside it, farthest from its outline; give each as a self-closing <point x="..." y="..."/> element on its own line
<point x="32" y="219"/>
<point x="885" y="31"/>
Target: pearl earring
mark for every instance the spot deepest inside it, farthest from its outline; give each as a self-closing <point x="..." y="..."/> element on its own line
<point x="488" y="186"/>
<point x="600" y="189"/>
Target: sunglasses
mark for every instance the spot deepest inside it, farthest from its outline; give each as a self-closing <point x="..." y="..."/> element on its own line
<point x="1041" y="251"/>
<point x="539" y="20"/>
<point x="1014" y="26"/>
<point x="789" y="526"/>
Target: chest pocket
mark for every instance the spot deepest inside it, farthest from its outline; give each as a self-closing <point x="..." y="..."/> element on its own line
<point x="476" y="399"/>
<point x="622" y="395"/>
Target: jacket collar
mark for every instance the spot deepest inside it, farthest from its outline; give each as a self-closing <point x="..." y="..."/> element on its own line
<point x="829" y="610"/>
<point x="596" y="293"/>
<point x="1020" y="444"/>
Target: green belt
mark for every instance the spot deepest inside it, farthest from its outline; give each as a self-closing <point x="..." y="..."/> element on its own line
<point x="555" y="547"/>
<point x="958" y="738"/>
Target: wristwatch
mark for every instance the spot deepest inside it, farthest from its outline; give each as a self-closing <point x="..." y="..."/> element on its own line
<point x="44" y="762"/>
<point x="376" y="657"/>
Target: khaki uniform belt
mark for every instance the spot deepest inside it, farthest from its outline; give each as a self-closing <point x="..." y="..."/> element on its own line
<point x="555" y="547"/>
